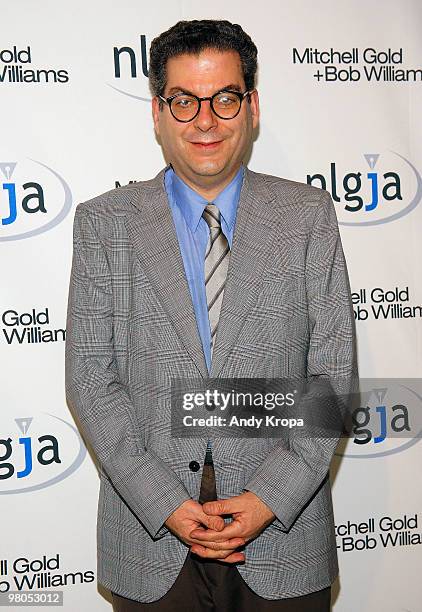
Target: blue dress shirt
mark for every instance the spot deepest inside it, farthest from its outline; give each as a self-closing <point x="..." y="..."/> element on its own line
<point x="193" y="232"/>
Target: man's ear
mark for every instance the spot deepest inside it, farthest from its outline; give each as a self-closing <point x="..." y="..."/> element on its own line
<point x="254" y="108"/>
<point x="156" y="114"/>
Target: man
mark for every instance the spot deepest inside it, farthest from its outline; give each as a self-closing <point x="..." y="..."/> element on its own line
<point x="207" y="270"/>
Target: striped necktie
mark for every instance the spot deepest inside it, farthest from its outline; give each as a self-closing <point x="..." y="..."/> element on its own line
<point x="217" y="258"/>
<point x="216" y="264"/>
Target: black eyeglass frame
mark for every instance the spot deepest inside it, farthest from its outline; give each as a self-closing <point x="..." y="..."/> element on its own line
<point x="240" y="95"/>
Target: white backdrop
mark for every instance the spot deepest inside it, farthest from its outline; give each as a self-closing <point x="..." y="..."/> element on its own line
<point x="71" y="128"/>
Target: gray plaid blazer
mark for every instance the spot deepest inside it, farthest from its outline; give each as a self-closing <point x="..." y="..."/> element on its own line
<point x="131" y="328"/>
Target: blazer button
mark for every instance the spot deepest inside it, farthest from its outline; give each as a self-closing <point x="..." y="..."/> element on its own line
<point x="194" y="466"/>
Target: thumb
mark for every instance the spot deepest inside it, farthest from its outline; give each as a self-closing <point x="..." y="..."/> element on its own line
<point x="219" y="507"/>
<point x="212" y="522"/>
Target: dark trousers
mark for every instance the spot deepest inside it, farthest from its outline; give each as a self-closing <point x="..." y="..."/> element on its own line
<point x="206" y="585"/>
<point x="212" y="586"/>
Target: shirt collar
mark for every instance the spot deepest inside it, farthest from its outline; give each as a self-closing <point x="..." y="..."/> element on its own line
<point x="192" y="204"/>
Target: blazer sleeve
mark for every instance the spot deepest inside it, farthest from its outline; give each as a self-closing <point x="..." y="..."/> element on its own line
<point x="99" y="399"/>
<point x="291" y="473"/>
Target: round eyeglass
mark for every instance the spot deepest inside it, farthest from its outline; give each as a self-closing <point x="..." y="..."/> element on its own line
<point x="225" y="104"/>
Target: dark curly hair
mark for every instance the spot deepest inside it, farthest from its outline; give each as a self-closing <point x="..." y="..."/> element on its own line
<point x="195" y="36"/>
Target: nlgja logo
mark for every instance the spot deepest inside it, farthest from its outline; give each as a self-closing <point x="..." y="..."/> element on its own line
<point x="384" y="188"/>
<point x="30" y="461"/>
<point x="33" y="199"/>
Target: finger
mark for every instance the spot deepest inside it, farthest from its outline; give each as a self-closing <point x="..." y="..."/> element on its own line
<point x="226" y="545"/>
<point x="207" y="553"/>
<point x="231" y="530"/>
<point x="223" y="506"/>
<point x="236" y="557"/>
<point x="216" y="523"/>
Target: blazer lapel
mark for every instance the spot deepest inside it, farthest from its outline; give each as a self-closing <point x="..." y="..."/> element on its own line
<point x="255" y="229"/>
<point x="153" y="235"/>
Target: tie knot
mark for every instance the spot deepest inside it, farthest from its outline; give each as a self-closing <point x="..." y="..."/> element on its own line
<point x="212" y="216"/>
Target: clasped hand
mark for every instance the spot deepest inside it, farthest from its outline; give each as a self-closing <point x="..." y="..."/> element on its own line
<point x="202" y="527"/>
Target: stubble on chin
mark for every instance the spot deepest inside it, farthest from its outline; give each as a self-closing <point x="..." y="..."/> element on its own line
<point x="209" y="168"/>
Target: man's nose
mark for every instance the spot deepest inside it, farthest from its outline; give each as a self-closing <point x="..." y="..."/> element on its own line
<point x="205" y="119"/>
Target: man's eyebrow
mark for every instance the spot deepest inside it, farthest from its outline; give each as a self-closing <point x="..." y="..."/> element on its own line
<point x="231" y="87"/>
